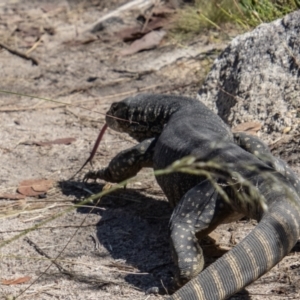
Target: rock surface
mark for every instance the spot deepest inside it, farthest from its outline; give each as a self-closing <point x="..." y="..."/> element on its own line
<point x="256" y="78"/>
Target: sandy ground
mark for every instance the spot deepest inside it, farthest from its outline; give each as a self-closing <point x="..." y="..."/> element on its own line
<point x="120" y="248"/>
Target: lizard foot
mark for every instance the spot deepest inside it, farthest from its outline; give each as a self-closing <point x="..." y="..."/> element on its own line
<point x="92" y="175"/>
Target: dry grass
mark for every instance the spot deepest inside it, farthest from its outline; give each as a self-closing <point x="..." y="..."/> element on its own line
<point x="243" y="14"/>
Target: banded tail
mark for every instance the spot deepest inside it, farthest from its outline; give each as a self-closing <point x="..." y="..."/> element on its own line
<point x="262" y="249"/>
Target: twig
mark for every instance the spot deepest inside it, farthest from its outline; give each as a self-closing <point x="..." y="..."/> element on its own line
<point x="80" y="278"/>
<point x="29" y="210"/>
<point x="75" y="104"/>
<point x="62" y="270"/>
<point x="127" y="93"/>
<point x="69" y="262"/>
<point x="20" y="54"/>
<point x="85" y="88"/>
<point x="81" y="188"/>
<point x="35" y="45"/>
<point x="134" y="74"/>
<point x="148" y="18"/>
<point x="227" y="93"/>
<point x="41" y="252"/>
<point x="162" y="283"/>
<point x="32" y="108"/>
<point x="96" y="240"/>
<point x="85" y="201"/>
<point x="52" y="227"/>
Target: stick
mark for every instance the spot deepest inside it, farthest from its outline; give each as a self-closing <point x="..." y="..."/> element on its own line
<point x="20" y="54"/>
<point x="41" y="252"/>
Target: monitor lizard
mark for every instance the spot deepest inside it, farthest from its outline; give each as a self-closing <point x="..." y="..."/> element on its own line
<point x="170" y="127"/>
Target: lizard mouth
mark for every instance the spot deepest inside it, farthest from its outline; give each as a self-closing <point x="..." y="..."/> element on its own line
<point x="116" y="123"/>
<point x="117" y="117"/>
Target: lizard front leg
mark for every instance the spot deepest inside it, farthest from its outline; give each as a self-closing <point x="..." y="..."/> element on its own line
<point x="127" y="163"/>
<point x="198" y="213"/>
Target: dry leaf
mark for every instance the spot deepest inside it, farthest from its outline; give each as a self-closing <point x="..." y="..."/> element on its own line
<point x="63" y="141"/>
<point x="249" y="127"/>
<point x="42" y="186"/>
<point x="134" y="33"/>
<point x="34" y="187"/>
<point x="149" y="41"/>
<point x="15" y="281"/>
<point x="12" y="196"/>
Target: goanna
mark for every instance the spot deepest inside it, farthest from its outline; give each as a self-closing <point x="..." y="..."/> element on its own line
<point x="169" y="128"/>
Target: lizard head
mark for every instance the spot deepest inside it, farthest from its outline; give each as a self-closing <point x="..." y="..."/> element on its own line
<point x="142" y="116"/>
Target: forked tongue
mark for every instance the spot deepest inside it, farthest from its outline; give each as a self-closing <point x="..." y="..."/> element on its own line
<point x="96" y="145"/>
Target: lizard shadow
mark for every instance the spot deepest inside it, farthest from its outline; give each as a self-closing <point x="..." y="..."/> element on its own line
<point x="134" y="230"/>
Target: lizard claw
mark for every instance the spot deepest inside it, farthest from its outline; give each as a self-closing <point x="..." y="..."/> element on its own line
<point x="100" y="174"/>
<point x="90" y="175"/>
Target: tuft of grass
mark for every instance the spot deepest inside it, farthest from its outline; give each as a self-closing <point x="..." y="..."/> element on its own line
<point x="257" y="12"/>
<point x="245" y="14"/>
<point x="202" y="15"/>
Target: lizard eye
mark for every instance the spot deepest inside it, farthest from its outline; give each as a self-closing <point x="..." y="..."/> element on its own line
<point x="118" y="109"/>
<point x="113" y="108"/>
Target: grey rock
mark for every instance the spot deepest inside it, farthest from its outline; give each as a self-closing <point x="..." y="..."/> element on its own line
<point x="256" y="78"/>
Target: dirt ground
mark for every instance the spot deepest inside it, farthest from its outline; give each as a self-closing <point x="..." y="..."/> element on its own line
<point x="120" y="248"/>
